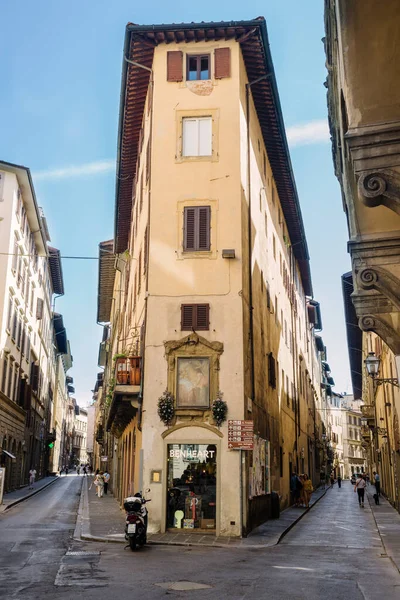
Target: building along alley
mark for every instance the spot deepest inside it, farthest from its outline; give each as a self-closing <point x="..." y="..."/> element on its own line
<point x="335" y="551"/>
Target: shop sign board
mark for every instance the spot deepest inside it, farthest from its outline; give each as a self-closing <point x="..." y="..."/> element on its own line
<point x="104" y="458"/>
<point x="240" y="435"/>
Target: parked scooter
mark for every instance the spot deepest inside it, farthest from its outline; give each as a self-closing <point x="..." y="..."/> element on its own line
<point x="136" y="520"/>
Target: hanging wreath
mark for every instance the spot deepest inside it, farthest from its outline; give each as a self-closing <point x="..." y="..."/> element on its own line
<point x="219" y="409"/>
<point x="166" y="408"/>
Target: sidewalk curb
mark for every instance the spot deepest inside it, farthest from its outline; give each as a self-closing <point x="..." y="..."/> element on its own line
<point x="33" y="493"/>
<point x="82" y="529"/>
<point x="301" y="516"/>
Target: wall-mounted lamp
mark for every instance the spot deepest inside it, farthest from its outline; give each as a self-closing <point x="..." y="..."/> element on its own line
<point x="372" y="364"/>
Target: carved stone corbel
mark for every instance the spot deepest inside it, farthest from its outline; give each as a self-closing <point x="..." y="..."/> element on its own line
<point x="383" y="330"/>
<point x="381" y="280"/>
<point x="380" y="187"/>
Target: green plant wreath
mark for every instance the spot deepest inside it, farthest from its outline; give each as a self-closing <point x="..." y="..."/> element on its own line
<point x="219" y="409"/>
<point x="165" y="407"/>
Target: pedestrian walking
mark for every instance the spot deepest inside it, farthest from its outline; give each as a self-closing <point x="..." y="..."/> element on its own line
<point x="84" y="471"/>
<point x="99" y="483"/>
<point x="339" y="481"/>
<point x="78" y="471"/>
<point x="295" y="488"/>
<point x="377" y="483"/>
<point x="32" y="477"/>
<point x="90" y="470"/>
<point x="106" y="478"/>
<point x="332" y="479"/>
<point x="307" y="490"/>
<point x="360" y="486"/>
<point x="66" y="470"/>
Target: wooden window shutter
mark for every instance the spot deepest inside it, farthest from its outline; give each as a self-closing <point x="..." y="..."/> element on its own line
<point x="222" y="63"/>
<point x="202" y="317"/>
<point x="187" y="316"/>
<point x="312" y="314"/>
<point x="141" y="193"/>
<point x="148" y="161"/>
<point x="139" y="271"/>
<point x="189" y="229"/>
<point x="145" y="250"/>
<point x="272" y="370"/>
<point x="175" y="65"/>
<point x="39" y="309"/>
<point x="204" y="227"/>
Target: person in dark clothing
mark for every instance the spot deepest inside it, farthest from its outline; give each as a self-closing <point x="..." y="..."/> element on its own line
<point x="360" y="486"/>
<point x="377" y="483"/>
<point x="339" y="481"/>
<point x="295" y="488"/>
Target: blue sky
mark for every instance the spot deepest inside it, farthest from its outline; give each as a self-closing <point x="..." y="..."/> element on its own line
<point x="59" y="101"/>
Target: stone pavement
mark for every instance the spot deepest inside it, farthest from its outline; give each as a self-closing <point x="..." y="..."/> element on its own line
<point x="13" y="498"/>
<point x="387" y="521"/>
<point x="101" y="519"/>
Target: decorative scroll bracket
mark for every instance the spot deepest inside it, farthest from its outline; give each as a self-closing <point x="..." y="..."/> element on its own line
<point x="380" y="187"/>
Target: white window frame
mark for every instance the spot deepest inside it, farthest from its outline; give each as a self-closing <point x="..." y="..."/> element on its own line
<point x="201" y="143"/>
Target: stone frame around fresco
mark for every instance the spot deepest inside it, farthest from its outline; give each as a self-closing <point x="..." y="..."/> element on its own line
<point x="193" y="346"/>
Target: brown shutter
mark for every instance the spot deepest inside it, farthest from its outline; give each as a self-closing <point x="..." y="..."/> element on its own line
<point x="272" y="370"/>
<point x="187" y="316"/>
<point x="204" y="227"/>
<point x="175" y="65"/>
<point x="202" y="317"/>
<point x="141" y="193"/>
<point x="312" y="314"/>
<point x="148" y="161"/>
<point x="145" y="257"/>
<point x="39" y="309"/>
<point x="222" y="63"/>
<point x="189" y="229"/>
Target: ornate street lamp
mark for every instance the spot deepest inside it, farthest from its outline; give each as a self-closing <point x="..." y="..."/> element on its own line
<point x="372" y="364"/>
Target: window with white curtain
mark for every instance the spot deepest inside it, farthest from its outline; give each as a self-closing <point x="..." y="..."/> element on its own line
<point x="197" y="136"/>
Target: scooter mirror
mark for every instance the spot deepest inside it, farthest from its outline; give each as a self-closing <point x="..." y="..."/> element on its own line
<point x="148" y="490"/>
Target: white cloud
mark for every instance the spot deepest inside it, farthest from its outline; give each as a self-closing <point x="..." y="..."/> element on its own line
<point x="313" y="132"/>
<point x="93" y="168"/>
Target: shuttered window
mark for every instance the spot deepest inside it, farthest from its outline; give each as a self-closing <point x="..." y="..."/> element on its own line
<point x="196" y="228"/>
<point x="271" y="370"/>
<point x="175" y="65"/>
<point x="195" y="316"/>
<point x="145" y="250"/>
<point x="197" y="136"/>
<point x="222" y="63"/>
<point x="39" y="309"/>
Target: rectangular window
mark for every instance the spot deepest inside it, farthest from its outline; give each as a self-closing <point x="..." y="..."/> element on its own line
<point x="9" y="314"/>
<point x="287" y="391"/>
<point x="4" y="374"/>
<point x="15" y="256"/>
<point x="195" y="316"/>
<point x="139" y="272"/>
<point x="196" y="228"/>
<point x="10" y="377"/>
<point x="271" y="370"/>
<point x="198" y="67"/>
<point x="197" y="136"/>
<point x="274" y="246"/>
<point x="39" y="309"/>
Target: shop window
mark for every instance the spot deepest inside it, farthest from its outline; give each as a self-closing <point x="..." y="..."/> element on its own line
<point x="192" y="486"/>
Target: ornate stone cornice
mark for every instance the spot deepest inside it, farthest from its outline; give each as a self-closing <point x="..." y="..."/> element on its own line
<point x="380" y="187"/>
<point x="192" y="340"/>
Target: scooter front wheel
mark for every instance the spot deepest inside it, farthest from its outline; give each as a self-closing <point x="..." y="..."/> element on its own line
<point x="132" y="543"/>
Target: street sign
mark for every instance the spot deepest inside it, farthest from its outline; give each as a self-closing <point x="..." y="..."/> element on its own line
<point x="240" y="435"/>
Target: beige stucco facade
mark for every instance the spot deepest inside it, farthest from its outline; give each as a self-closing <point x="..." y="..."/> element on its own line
<point x="258" y="342"/>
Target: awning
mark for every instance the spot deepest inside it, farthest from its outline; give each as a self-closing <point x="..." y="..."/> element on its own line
<point x="8" y="453"/>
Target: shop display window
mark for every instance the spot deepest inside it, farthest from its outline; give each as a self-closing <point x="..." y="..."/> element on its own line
<point x="192" y="487"/>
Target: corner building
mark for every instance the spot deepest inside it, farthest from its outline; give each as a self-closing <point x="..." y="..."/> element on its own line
<point x="214" y="293"/>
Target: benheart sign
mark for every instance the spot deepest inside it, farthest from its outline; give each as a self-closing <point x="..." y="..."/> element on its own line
<point x="240" y="435"/>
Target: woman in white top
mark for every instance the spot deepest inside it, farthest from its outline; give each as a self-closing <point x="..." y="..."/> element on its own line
<point x="360" y="489"/>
